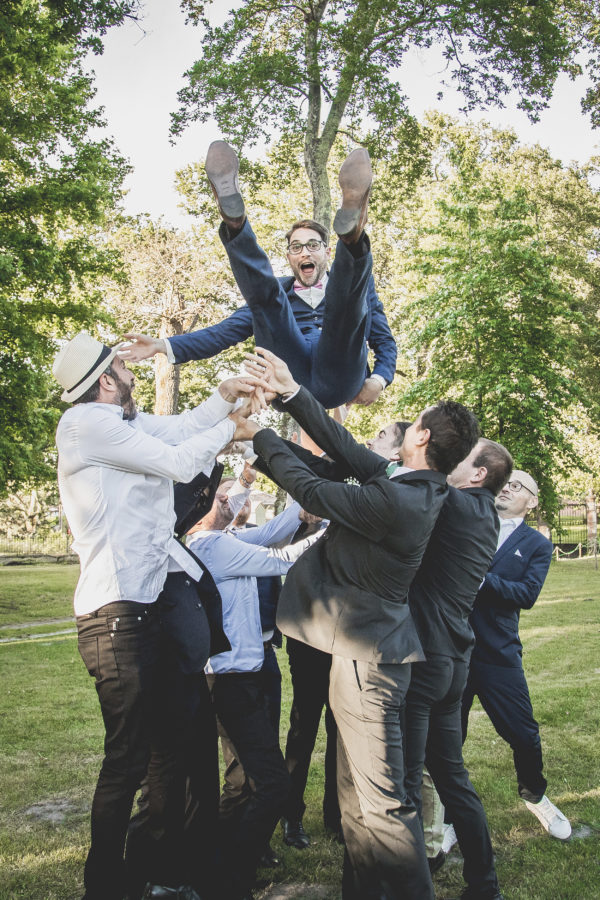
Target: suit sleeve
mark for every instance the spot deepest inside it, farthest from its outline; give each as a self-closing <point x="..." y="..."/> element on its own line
<point x="321" y="466"/>
<point x="333" y="438"/>
<point x="523" y="594"/>
<point x="364" y="509"/>
<point x="380" y="338"/>
<point x="207" y="342"/>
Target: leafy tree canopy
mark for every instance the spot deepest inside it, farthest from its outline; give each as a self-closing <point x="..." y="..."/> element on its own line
<point x="503" y="309"/>
<point x="318" y="67"/>
<point x="57" y="187"/>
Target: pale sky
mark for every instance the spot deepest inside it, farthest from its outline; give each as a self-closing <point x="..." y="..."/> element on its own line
<point x="142" y="69"/>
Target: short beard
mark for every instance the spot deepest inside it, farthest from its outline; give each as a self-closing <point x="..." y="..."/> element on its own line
<point x="126" y="400"/>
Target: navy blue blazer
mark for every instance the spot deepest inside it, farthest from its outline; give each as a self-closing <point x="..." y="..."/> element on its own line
<point x="513" y="582"/>
<point x="207" y="342"/>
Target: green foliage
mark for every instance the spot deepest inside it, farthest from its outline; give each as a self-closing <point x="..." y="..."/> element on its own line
<point x="314" y="69"/>
<point x="57" y="187"/>
<point x="498" y="320"/>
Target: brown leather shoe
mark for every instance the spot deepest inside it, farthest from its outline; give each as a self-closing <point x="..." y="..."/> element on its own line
<point x="222" y="167"/>
<point x="356" y="177"/>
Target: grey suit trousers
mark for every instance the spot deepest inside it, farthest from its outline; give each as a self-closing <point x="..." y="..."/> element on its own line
<point x="385" y="851"/>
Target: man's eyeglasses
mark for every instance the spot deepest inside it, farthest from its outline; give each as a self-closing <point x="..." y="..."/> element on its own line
<point x="515" y="487"/>
<point x="296" y="247"/>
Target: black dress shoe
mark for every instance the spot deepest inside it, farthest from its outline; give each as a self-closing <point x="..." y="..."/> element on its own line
<point x="222" y="168"/>
<point x="159" y="892"/>
<point x="294" y="834"/>
<point x="436" y="862"/>
<point x="269" y="859"/>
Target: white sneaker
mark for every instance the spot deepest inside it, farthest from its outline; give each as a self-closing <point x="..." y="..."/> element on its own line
<point x="449" y="839"/>
<point x="552" y="819"/>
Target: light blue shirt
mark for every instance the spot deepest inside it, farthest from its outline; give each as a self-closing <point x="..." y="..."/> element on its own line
<point x="235" y="560"/>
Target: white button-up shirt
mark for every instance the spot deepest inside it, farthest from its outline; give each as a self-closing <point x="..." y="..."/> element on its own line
<point x="507" y="526"/>
<point x="235" y="560"/>
<point x="116" y="485"/>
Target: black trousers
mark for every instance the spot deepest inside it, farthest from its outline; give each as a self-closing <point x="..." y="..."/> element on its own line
<point x="172" y="838"/>
<point x="236" y="787"/>
<point x="433" y="737"/>
<point x="504" y="695"/>
<point x="240" y="704"/>
<point x="120" y="645"/>
<point x="309" y="669"/>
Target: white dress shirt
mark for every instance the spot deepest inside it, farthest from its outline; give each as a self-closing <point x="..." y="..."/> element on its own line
<point x="115" y="479"/>
<point x="507" y="526"/>
<point x="235" y="560"/>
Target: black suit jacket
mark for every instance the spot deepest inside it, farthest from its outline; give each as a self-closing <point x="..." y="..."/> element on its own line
<point x="458" y="555"/>
<point x="513" y="582"/>
<point x="348" y="593"/>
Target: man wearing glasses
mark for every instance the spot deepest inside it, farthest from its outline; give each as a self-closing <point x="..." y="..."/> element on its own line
<point x="321" y="322"/>
<point x="513" y="582"/>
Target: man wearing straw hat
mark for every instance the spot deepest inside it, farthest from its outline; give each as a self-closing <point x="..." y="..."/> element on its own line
<point x="512" y="583"/>
<point x="115" y="473"/>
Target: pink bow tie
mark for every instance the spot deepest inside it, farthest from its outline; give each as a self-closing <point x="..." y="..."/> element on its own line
<point x="303" y="287"/>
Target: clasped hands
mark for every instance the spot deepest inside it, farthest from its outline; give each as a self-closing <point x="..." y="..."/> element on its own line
<point x="267" y="369"/>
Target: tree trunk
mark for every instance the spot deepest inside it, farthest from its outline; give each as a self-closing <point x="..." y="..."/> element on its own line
<point x="316" y="169"/>
<point x="287" y="426"/>
<point x="166" y="375"/>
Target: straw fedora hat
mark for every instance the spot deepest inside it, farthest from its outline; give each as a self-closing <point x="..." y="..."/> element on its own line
<point x="80" y="363"/>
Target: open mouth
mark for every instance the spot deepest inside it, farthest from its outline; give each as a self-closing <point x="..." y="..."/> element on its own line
<point x="308" y="272"/>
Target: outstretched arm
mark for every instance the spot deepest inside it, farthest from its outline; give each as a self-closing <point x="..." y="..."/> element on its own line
<point x="332" y="437"/>
<point x="365" y="509"/>
<point x="380" y="339"/>
<point x="200" y="344"/>
<point x="322" y="467"/>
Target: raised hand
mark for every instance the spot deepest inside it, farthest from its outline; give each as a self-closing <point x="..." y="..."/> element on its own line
<point x="245" y="428"/>
<point x="368" y="393"/>
<point x="141" y="346"/>
<point x="246" y="386"/>
<point x="266" y="365"/>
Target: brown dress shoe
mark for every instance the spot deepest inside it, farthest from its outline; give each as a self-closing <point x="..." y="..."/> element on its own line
<point x="356" y="177"/>
<point x="222" y="167"/>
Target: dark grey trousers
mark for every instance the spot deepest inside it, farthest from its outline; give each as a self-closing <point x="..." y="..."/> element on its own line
<point x="385" y="851"/>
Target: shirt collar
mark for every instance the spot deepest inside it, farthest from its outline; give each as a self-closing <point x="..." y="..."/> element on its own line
<point x="395" y="469"/>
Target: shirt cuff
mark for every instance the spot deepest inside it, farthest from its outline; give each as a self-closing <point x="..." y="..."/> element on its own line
<point x="217" y="407"/>
<point x="169" y="351"/>
<point x="249" y="453"/>
<point x="237" y="496"/>
<point x="290" y="396"/>
<point x="380" y="379"/>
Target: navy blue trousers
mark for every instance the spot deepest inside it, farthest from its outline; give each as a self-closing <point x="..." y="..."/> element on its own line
<point x="504" y="695"/>
<point x="331" y="360"/>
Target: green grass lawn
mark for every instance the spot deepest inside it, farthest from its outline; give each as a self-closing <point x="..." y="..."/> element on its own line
<point x="52" y="739"/>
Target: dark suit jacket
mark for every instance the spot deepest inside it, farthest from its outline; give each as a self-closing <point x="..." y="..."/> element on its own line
<point x="348" y="593"/>
<point x="207" y="342"/>
<point x="458" y="555"/>
<point x="513" y="583"/>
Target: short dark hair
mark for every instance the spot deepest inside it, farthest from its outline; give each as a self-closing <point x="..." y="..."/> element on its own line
<point x="498" y="462"/>
<point x="400" y="431"/>
<point x="93" y="392"/>
<point x="314" y="226"/>
<point x="454" y="431"/>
